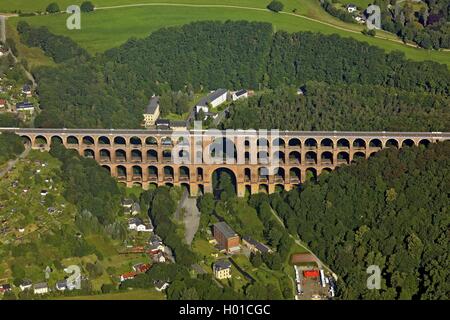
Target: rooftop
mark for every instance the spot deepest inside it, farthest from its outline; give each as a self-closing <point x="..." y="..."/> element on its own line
<point x="211" y="97"/>
<point x="225" y="229"/>
<point x="152" y="105"/>
<point x="260" y="246"/>
<point x="222" y="264"/>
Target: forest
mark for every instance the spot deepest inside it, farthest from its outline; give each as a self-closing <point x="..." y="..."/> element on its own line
<point x="391" y="211"/>
<point x="342" y="107"/>
<point x="112" y="89"/>
<point x="10" y="146"/>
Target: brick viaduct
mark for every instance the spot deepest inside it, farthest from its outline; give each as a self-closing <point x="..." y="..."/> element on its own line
<point x="145" y="157"/>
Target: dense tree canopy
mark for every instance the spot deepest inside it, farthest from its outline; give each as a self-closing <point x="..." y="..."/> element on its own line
<point x="10" y="146"/>
<point x="391" y="211"/>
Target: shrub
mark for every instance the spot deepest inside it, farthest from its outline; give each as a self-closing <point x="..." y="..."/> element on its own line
<point x="52" y="8"/>
<point x="275" y="6"/>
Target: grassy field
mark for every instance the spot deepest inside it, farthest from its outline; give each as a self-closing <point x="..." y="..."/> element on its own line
<point x="126" y="295"/>
<point x="110" y="27"/>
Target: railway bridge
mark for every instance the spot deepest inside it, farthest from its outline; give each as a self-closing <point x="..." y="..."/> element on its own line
<point x="260" y="161"/>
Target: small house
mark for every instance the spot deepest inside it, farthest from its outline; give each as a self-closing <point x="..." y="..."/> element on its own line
<point x="25" y="285"/>
<point x="241" y="94"/>
<point x="41" y="288"/>
<point x="161" y="285"/>
<point x="222" y="269"/>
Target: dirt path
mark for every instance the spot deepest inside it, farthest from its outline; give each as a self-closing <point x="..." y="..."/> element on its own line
<point x="11" y="163"/>
<point x="191" y="217"/>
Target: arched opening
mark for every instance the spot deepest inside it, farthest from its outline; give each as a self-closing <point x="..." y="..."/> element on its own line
<point x="262" y="143"/>
<point x="247" y="157"/>
<point x="247" y="142"/>
<point x="294" y="157"/>
<point x="392" y="143"/>
<point x="311" y="174"/>
<point x="223" y="149"/>
<point x="201" y="190"/>
<point x="325" y="171"/>
<point x="184" y="156"/>
<point x="88" y="141"/>
<point x="359" y="144"/>
<point x="343" y="158"/>
<point x="135" y="142"/>
<point x="279" y="175"/>
<point x="343" y="143"/>
<point x="137" y="173"/>
<point x="152" y="155"/>
<point x="121" y="173"/>
<point x="326" y="158"/>
<point x="26" y="140"/>
<point x="121" y="155"/>
<point x="56" y="140"/>
<point x="72" y="140"/>
<point x="311" y="143"/>
<point x="263" y="157"/>
<point x="248" y="190"/>
<point x="136" y="156"/>
<point x="107" y="168"/>
<point x="326" y="143"/>
<point x="263" y="188"/>
<point x="184" y="173"/>
<point x="279" y="188"/>
<point x="375" y="143"/>
<point x="294" y="142"/>
<point x="152" y="173"/>
<point x="119" y="141"/>
<point x="169" y="184"/>
<point x="358" y="156"/>
<point x="373" y="154"/>
<point x="89" y="153"/>
<point x="186" y="187"/>
<point x="168" y="173"/>
<point x="224" y="183"/>
<point x="137" y="185"/>
<point x="104" y="141"/>
<point x="278" y="157"/>
<point x="167" y="156"/>
<point x="41" y="141"/>
<point x="263" y="174"/>
<point x="151" y="141"/>
<point x="247" y="174"/>
<point x="152" y="186"/>
<point x="105" y="155"/>
<point x="199" y="174"/>
<point x="294" y="175"/>
<point x="424" y="142"/>
<point x="166" y="141"/>
<point x="311" y="157"/>
<point x="278" y="142"/>
<point x="407" y="143"/>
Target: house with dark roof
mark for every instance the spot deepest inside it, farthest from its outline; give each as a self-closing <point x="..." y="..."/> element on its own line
<point x="214" y="99"/>
<point x="161" y="285"/>
<point x="222" y="269"/>
<point x="240" y="94"/>
<point x="61" y="285"/>
<point x="24" y="106"/>
<point x="255" y="246"/>
<point x="41" y="288"/>
<point x="151" y="113"/>
<point x="26" y="284"/>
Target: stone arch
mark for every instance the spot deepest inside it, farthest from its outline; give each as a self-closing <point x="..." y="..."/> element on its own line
<point x="358" y="155"/>
<point x="40" y="141"/>
<point x="72" y="140"/>
<point x="151" y="141"/>
<point x="137" y="172"/>
<point x="167" y="156"/>
<point x="26" y="140"/>
<point x="278" y="157"/>
<point x="278" y="142"/>
<point x="168" y="173"/>
<point x="199" y="174"/>
<point x="107" y="168"/>
<point x="135" y="142"/>
<point x="311" y="143"/>
<point x="294" y="142"/>
<point x="279" y="175"/>
<point x="56" y="140"/>
<point x="263" y="157"/>
<point x="326" y="171"/>
<point x="295" y="157"/>
<point x="152" y="155"/>
<point x="89" y="153"/>
<point x="392" y="143"/>
<point x="215" y="174"/>
<point x="263" y="174"/>
<point x="223" y="148"/>
<point x="343" y="143"/>
<point x="407" y="143"/>
<point x="262" y="143"/>
<point x="311" y="174"/>
<point x="326" y="143"/>
<point x="201" y="189"/>
<point x="424" y="142"/>
<point x="152" y="173"/>
<point x="263" y="188"/>
<point x="343" y="157"/>
<point x="184" y="173"/>
<point x="120" y="155"/>
<point x="326" y="158"/>
<point x="105" y="155"/>
<point x="279" y="187"/>
<point x="248" y="190"/>
<point x="121" y="172"/>
<point x="311" y="157"/>
<point x="295" y="175"/>
<point x="359" y="143"/>
<point x="247" y="157"/>
<point x="104" y="140"/>
<point x="166" y="141"/>
<point x="88" y="141"/>
<point x="119" y="141"/>
<point x="136" y="155"/>
<point x="375" y="143"/>
<point x="186" y="186"/>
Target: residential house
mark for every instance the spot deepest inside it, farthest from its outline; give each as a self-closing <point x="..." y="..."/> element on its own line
<point x="255" y="246"/>
<point x="241" y="94"/>
<point x="26" y="89"/>
<point x="159" y="257"/>
<point x="214" y="99"/>
<point x="41" y="288"/>
<point x="61" y="285"/>
<point x="351" y="8"/>
<point x="127" y="276"/>
<point x="24" y="107"/>
<point x="222" y="269"/>
<point x="133" y="223"/>
<point x="156" y="248"/>
<point x="227" y="239"/>
<point x="161" y="285"/>
<point x="135" y="208"/>
<point x="151" y="112"/>
<point x="162" y="124"/>
<point x="127" y="204"/>
<point x="25" y="285"/>
<point x="5" y="288"/>
<point x="142" y="267"/>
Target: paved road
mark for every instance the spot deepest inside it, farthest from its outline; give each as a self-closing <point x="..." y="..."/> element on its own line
<point x="3" y="29"/>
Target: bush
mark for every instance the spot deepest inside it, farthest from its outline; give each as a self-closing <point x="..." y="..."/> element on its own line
<point x="87" y="6"/>
<point x="275" y="6"/>
<point x="52" y="8"/>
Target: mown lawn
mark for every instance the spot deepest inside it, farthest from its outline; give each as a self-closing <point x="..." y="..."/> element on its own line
<point x="105" y="29"/>
<point x="126" y="295"/>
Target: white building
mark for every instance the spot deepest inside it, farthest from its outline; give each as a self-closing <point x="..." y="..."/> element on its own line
<point x="41" y="288"/>
<point x="214" y="99"/>
<point x="351" y="8"/>
<point x="241" y="94"/>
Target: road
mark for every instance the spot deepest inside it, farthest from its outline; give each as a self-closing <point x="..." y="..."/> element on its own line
<point x="191" y="216"/>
